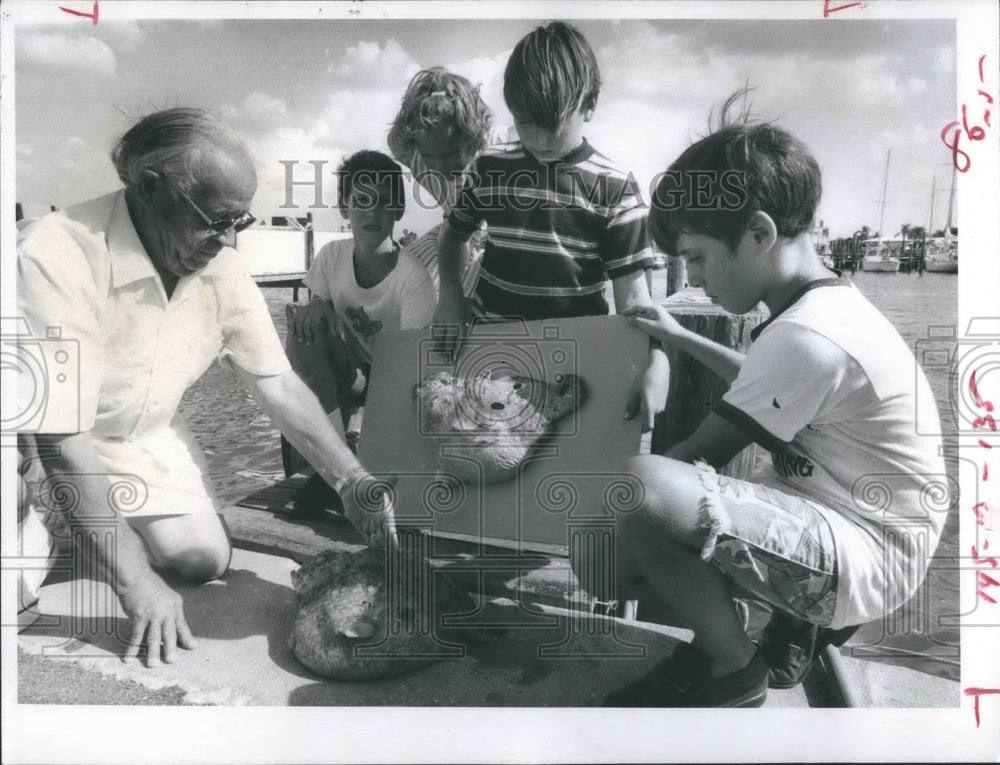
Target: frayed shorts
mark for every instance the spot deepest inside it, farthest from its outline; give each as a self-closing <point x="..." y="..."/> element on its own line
<point x="777" y="546"/>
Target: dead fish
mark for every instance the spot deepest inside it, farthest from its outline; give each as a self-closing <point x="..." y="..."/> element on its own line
<point x="484" y="427"/>
<point x="360" y="618"/>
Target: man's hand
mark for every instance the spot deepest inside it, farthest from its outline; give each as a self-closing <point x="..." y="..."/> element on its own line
<point x="313" y="320"/>
<point x="648" y="397"/>
<point x="655" y="321"/>
<point x="368" y="506"/>
<point x="156" y="613"/>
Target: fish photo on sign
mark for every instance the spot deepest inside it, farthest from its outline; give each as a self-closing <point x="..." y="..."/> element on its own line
<point x="432" y="375"/>
<point x="475" y="442"/>
<point x="491" y="421"/>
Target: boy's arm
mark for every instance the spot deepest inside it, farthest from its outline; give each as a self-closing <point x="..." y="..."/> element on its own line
<point x="417" y="300"/>
<point x="450" y="311"/>
<point x="660" y="325"/>
<point x="716" y="441"/>
<point x="649" y="398"/>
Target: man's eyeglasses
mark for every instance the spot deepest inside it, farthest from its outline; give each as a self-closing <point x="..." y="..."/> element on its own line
<point x="219" y="225"/>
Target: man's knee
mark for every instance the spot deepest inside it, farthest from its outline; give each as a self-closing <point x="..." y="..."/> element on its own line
<point x="201" y="563"/>
<point x="195" y="546"/>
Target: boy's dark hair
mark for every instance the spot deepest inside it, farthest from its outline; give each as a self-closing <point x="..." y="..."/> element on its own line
<point x="720" y="181"/>
<point x="551" y="73"/>
<point x="365" y="170"/>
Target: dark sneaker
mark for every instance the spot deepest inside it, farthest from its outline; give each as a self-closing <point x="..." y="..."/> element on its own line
<point x="316" y="498"/>
<point x="682" y="680"/>
<point x="790" y="647"/>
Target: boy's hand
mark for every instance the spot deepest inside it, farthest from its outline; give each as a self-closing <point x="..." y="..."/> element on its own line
<point x="654" y="321"/>
<point x="649" y="396"/>
<point x="310" y="319"/>
<point x="450" y="325"/>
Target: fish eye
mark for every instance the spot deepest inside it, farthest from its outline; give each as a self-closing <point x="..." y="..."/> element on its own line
<point x="518" y="386"/>
<point x="497" y="405"/>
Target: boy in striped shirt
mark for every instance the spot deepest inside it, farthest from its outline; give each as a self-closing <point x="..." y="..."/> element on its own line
<point x="562" y="218"/>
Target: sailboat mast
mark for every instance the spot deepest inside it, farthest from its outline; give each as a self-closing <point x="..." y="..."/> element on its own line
<point x="885" y="183"/>
<point x="930" y="218"/>
<point x="951" y="204"/>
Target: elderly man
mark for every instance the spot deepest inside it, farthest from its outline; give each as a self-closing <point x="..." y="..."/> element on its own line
<point x="146" y="280"/>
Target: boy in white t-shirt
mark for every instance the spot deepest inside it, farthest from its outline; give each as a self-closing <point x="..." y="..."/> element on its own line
<point x="360" y="287"/>
<point x="842" y="530"/>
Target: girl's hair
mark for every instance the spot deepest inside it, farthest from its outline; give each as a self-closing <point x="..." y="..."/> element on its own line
<point x="436" y="97"/>
<point x="720" y="181"/>
<point x="551" y="73"/>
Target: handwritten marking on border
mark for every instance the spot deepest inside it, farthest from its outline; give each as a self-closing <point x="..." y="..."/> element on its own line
<point x="827" y="10"/>
<point x="94" y="14"/>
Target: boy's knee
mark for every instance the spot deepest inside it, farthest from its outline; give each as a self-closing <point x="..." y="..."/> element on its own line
<point x="646" y="471"/>
<point x="302" y="356"/>
<point x="668" y="495"/>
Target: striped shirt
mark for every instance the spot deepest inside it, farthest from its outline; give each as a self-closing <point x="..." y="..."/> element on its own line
<point x="557" y="231"/>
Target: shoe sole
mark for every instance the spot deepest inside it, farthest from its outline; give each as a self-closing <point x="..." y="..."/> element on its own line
<point x="785" y="685"/>
<point x="754" y="701"/>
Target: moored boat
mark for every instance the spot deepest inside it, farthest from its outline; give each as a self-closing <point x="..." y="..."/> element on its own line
<point x="942" y="255"/>
<point x="881" y="255"/>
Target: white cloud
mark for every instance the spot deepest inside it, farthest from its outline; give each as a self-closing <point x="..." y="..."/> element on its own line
<point x="649" y="63"/>
<point x="54" y="50"/>
<point x="126" y="36"/>
<point x="370" y="63"/>
<point x="359" y="119"/>
<point x="487" y="73"/>
<point x="257" y="113"/>
<point x="944" y="61"/>
<point x="51" y="175"/>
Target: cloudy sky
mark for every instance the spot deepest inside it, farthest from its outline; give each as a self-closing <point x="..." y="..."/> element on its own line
<point x="316" y="89"/>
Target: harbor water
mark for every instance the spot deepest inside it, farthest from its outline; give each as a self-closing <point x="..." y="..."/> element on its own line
<point x="244" y="455"/>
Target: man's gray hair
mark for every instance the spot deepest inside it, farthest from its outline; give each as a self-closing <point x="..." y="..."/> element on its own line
<point x="179" y="143"/>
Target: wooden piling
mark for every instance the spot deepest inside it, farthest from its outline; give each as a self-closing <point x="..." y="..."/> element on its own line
<point x="695" y="389"/>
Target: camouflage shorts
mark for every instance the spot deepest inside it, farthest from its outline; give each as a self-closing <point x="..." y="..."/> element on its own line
<point x="777" y="546"/>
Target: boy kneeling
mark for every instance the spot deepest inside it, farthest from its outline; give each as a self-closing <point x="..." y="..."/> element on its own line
<point x="828" y="387"/>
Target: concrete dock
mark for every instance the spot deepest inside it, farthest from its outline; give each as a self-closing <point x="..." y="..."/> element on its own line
<point x="541" y="657"/>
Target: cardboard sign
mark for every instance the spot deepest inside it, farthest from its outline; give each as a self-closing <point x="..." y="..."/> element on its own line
<point x="575" y="473"/>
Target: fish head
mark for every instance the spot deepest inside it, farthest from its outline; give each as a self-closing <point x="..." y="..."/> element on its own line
<point x="506" y="402"/>
<point x="495" y="403"/>
<point x="518" y="403"/>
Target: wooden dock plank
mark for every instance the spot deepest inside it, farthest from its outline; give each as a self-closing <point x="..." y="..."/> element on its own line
<point x="259" y="523"/>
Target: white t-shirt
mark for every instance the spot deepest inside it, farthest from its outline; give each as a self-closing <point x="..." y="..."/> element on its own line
<point x="405" y="299"/>
<point x="830" y="388"/>
<point x="131" y="353"/>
